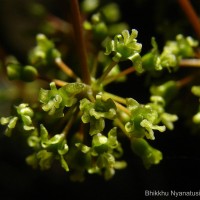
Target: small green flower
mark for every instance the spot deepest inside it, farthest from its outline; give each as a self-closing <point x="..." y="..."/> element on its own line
<point x="151" y="60"/>
<point x="10" y="122"/>
<point x="96" y="113"/>
<point x="105" y="150"/>
<point x="125" y="47"/>
<point x="47" y="149"/>
<point x="158" y="104"/>
<point x="55" y="100"/>
<point x="25" y="113"/>
<point x="144" y="119"/>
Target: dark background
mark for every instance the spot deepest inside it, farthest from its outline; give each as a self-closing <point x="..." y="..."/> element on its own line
<point x="179" y="170"/>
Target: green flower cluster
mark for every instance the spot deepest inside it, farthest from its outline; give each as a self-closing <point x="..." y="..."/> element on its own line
<point x="17" y="71"/>
<point x="55" y="100"/>
<point x="47" y="150"/>
<point x="103" y="153"/>
<point x="23" y="115"/>
<point x="173" y="52"/>
<point x="85" y="120"/>
<point x="44" y="52"/>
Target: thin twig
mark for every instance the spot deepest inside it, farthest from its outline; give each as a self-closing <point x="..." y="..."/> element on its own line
<point x="190" y="62"/>
<point x="59" y="82"/>
<point x="56" y="81"/>
<point x="121" y="107"/>
<point x="191" y="14"/>
<point x="65" y="68"/>
<point x="184" y="81"/>
<point x="106" y="72"/>
<point x="123" y="73"/>
<point x="119" y="99"/>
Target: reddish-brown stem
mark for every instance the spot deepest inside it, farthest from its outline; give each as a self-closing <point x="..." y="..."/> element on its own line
<point x="56" y="81"/>
<point x="123" y="73"/>
<point x="190" y="62"/>
<point x="65" y="68"/>
<point x="185" y="81"/>
<point x="59" y="24"/>
<point x="80" y="42"/>
<point x="191" y="15"/>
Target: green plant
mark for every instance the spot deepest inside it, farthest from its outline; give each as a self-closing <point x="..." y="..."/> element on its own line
<point x="75" y="120"/>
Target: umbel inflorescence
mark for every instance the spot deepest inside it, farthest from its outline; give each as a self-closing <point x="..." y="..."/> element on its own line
<point x="76" y="121"/>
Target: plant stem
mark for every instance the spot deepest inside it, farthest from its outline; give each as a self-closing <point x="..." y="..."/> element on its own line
<point x="107" y="95"/>
<point x="123" y="73"/>
<point x="108" y="69"/>
<point x="56" y="81"/>
<point x="65" y="68"/>
<point x="72" y="115"/>
<point x="190" y="63"/>
<point x="59" y="24"/>
<point x="80" y="43"/>
<point x="191" y="14"/>
<point x="184" y="81"/>
<point x="59" y="82"/>
<point x="121" y="107"/>
<point x="121" y="126"/>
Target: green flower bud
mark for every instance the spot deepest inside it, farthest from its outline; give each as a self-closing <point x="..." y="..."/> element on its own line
<point x="29" y="73"/>
<point x="14" y="71"/>
<point x="196" y="118"/>
<point x="89" y="5"/>
<point x="111" y="12"/>
<point x="196" y="90"/>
